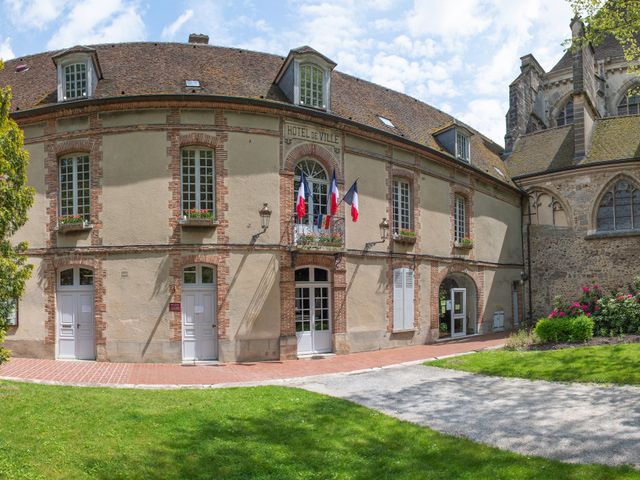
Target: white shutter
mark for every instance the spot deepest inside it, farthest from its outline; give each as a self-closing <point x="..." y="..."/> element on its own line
<point x="408" y="299"/>
<point x="398" y="299"/>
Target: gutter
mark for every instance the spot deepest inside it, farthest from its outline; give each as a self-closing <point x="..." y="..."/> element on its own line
<point x="51" y="108"/>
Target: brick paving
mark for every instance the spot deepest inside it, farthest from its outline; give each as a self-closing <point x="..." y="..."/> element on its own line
<point x="148" y="374"/>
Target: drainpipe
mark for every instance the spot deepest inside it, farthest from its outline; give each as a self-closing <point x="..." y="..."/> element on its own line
<point x="530" y="280"/>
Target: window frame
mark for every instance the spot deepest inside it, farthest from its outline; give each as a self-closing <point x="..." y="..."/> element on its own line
<point x="197" y="270"/>
<point x="311" y="216"/>
<point x="197" y="190"/>
<point x="562" y="119"/>
<point x="14" y="314"/>
<point x="627" y="104"/>
<point x="460" y="230"/>
<point x="463" y="146"/>
<point x="74" y="189"/>
<point x="633" y="206"/>
<point x="402" y="205"/>
<point x="78" y="86"/>
<point x="76" y="278"/>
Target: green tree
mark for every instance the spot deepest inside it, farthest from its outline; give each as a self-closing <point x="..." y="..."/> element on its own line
<point x="618" y="18"/>
<point x="15" y="199"/>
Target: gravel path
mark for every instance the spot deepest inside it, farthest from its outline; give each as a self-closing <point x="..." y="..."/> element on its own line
<point x="576" y="423"/>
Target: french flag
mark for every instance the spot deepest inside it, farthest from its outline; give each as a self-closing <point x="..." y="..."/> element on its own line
<point x="334" y="197"/>
<point x="301" y="200"/>
<point x="351" y="198"/>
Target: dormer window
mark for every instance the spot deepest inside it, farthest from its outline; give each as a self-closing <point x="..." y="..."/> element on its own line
<point x="311" y="86"/>
<point x="75" y="81"/>
<point x="78" y="73"/>
<point x="305" y="78"/>
<point x="463" y="150"/>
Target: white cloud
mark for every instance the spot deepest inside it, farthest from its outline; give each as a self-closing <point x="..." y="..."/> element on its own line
<point x="5" y="49"/>
<point x="487" y="116"/>
<point x="100" y="21"/>
<point x="38" y="14"/>
<point x="169" y="32"/>
<point x="452" y="21"/>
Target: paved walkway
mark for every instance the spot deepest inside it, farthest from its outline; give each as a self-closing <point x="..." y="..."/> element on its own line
<point x="165" y="375"/>
<point x="577" y="423"/>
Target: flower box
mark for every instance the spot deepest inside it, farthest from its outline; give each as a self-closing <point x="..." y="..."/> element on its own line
<point x="465" y="244"/>
<point x="319" y="242"/>
<point x="73" y="223"/>
<point x="198" y="222"/>
<point x="408" y="237"/>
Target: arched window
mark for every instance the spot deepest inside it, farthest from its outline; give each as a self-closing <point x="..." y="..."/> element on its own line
<point x="318" y="182"/>
<point x="629" y="103"/>
<point x="311" y="86"/>
<point x="565" y="117"/>
<point x="198" y="275"/>
<point x="619" y="209"/>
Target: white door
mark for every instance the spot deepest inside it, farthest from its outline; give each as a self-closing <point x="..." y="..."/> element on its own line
<point x="76" y="329"/>
<point x="313" y="312"/>
<point x="458" y="312"/>
<point x="199" y="324"/>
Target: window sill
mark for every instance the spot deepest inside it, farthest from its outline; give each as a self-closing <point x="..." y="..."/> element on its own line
<point x="73" y="227"/>
<point x="460" y="246"/>
<point x="405" y="330"/>
<point x="405" y="239"/>
<point x="198" y="222"/>
<point x="612" y="234"/>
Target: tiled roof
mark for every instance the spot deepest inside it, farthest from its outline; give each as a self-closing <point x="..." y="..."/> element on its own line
<point x="162" y="68"/>
<point x="615" y="138"/>
<point x="537" y="152"/>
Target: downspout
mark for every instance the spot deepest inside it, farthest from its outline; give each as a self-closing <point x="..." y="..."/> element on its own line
<point x="529" y="276"/>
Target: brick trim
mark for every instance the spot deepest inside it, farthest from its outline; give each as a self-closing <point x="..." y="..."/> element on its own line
<point x="439" y="272"/>
<point x="217" y="261"/>
<point x="54" y="151"/>
<point x="51" y="267"/>
<point x="338" y="282"/>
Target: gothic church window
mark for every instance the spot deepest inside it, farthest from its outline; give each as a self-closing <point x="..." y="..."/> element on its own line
<point x="565" y="117"/>
<point x="619" y="209"/>
<point x="630" y="101"/>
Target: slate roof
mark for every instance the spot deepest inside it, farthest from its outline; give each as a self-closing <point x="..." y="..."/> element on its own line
<point x="613" y="138"/>
<point x="131" y="69"/>
<point x="608" y="48"/>
<point x="549" y="149"/>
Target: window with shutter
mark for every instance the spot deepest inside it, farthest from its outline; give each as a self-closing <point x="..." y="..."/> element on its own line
<point x="403" y="310"/>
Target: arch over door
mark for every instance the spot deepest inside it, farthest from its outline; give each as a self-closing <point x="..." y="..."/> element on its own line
<point x="199" y="319"/>
<point x="76" y="325"/>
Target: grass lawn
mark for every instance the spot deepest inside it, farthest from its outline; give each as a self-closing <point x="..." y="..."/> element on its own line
<point x="603" y="364"/>
<point x="251" y="433"/>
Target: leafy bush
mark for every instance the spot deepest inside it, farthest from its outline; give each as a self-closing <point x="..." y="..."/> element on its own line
<point x="564" y="329"/>
<point x="618" y="315"/>
<point x="520" y="340"/>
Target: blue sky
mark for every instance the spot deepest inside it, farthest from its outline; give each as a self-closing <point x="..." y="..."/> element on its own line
<point x="458" y="55"/>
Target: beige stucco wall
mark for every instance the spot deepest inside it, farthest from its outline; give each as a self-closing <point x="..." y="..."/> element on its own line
<point x="254" y="305"/>
<point x="372" y="191"/>
<point x="137" y="316"/>
<point x="135" y="189"/>
<point x="248" y="120"/>
<point x="498" y="295"/>
<point x="253" y="180"/>
<point x="435" y="216"/>
<point x="34" y="230"/>
<point x="134" y="117"/>
<point x="496" y="230"/>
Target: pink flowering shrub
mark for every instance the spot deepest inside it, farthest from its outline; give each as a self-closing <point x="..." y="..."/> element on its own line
<point x="587" y="304"/>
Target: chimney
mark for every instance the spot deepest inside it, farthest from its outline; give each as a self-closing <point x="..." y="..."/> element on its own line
<point x="200" y="38"/>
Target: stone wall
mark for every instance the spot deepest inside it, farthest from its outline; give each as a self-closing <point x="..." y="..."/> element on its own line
<point x="565" y="258"/>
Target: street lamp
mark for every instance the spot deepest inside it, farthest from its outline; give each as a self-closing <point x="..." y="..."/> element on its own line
<point x="265" y="216"/>
<point x="384" y="233"/>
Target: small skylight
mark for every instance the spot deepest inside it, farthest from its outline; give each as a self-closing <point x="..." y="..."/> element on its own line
<point x="22" y="68"/>
<point x="192" y="83"/>
<point x="500" y="172"/>
<point x="386" y="121"/>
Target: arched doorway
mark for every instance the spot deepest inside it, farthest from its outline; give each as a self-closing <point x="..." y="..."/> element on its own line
<point x="313" y="310"/>
<point x="199" y="325"/>
<point x="457" y="311"/>
<point x="76" y="325"/>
